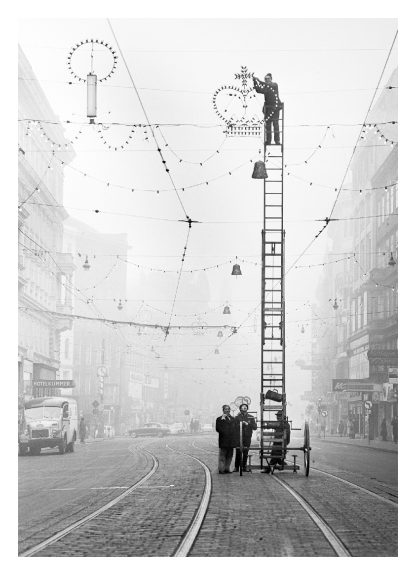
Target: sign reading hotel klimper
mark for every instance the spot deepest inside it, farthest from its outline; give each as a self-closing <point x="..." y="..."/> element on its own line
<point x="357" y="385"/>
<point x="53" y="383"/>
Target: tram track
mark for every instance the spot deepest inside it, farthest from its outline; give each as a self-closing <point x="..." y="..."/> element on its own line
<point x="363" y="489"/>
<point x="80" y="522"/>
<point x="188" y="539"/>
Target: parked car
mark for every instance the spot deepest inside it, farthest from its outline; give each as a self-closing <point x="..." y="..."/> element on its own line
<point x="150" y="429"/>
<point x="177" y="428"/>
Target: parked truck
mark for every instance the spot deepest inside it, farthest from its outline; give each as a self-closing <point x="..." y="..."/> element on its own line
<point x="48" y="422"/>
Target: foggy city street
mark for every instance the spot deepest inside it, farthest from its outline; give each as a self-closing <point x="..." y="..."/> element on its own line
<point x="208" y="287"/>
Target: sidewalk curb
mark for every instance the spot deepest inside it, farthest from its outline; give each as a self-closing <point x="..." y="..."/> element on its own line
<point x="358" y="445"/>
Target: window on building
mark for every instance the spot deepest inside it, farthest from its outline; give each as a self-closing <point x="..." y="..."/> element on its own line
<point x="66" y="348"/>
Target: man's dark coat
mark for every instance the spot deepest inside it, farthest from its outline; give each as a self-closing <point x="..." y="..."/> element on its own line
<point x="247" y="429"/>
<point x="226" y="431"/>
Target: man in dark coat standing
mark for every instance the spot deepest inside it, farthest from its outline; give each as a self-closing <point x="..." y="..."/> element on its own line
<point x="249" y="425"/>
<point x="225" y="426"/>
<point x="271" y="108"/>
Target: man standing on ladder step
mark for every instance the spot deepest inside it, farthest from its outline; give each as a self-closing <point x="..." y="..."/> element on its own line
<point x="248" y="424"/>
<point x="271" y="108"/>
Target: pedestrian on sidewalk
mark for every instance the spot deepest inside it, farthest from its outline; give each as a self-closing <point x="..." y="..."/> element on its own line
<point x="82" y="429"/>
<point x="225" y="426"/>
<point x="383" y="429"/>
<point x="271" y="108"/>
<point x="249" y="425"/>
<point x="341" y="428"/>
<point x="394" y="426"/>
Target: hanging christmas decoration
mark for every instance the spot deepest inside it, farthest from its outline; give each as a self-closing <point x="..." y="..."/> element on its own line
<point x="91" y="78"/>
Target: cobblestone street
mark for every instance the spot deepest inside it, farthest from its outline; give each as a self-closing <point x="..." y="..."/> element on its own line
<point x="247" y="516"/>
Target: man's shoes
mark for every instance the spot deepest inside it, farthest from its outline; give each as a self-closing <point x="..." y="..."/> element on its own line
<point x="266" y="470"/>
<point x="245" y="469"/>
<point x="236" y="470"/>
<point x="227" y="471"/>
<point x="221" y="472"/>
<point x="277" y="143"/>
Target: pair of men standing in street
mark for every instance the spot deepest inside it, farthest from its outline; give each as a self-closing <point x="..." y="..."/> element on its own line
<point x="228" y="428"/>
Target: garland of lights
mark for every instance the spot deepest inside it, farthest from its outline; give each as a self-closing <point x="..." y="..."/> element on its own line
<point x="319" y="147"/>
<point x="92" y="42"/>
<point x="367" y="129"/>
<point x="188" y="161"/>
<point x="216" y="266"/>
<point x="121" y="146"/>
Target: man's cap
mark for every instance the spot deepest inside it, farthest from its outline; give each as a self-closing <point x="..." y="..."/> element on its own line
<point x="242" y="405"/>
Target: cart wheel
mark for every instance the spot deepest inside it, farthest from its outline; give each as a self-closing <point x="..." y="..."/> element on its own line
<point x="306" y="449"/>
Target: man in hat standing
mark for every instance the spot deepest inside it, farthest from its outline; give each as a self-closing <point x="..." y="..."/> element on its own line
<point x="248" y="426"/>
<point x="271" y="108"/>
<point x="225" y="426"/>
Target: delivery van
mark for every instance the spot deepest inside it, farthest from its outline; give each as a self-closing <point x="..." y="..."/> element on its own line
<point x="49" y="422"/>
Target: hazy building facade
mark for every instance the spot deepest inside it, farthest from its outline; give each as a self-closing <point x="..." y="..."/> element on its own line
<point x="365" y="282"/>
<point x="45" y="272"/>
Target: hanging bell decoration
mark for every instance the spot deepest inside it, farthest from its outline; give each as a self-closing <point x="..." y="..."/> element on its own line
<point x="220" y="334"/>
<point x="302" y="330"/>
<point x="120" y="305"/>
<point x="236" y="270"/>
<point x="217" y="351"/>
<point x="259" y="171"/>
<point x="335" y="306"/>
<point x="226" y="310"/>
<point x="392" y="261"/>
<point x="86" y="264"/>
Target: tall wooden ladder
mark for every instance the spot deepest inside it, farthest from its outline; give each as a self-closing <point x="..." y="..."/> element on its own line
<point x="272" y="296"/>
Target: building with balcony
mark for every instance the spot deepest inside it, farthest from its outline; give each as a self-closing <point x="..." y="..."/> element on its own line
<point x="44" y="271"/>
<point x="365" y="282"/>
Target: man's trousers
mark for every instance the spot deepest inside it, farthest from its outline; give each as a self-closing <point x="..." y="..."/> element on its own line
<point x="225" y="457"/>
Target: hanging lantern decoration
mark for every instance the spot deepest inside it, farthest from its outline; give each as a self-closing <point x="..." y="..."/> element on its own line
<point x="217" y="351"/>
<point x="91" y="97"/>
<point x="302" y="330"/>
<point x="120" y="305"/>
<point x="226" y="310"/>
<point x="220" y="334"/>
<point x="236" y="270"/>
<point x="86" y="264"/>
<point x="335" y="306"/>
<point x="259" y="171"/>
<point x="392" y="261"/>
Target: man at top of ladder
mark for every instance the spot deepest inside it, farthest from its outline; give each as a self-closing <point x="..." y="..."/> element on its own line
<point x="271" y="108"/>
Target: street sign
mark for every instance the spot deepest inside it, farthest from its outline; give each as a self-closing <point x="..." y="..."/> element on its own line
<point x="324" y="413"/>
<point x="368" y="404"/>
<point x="360" y="385"/>
<point x="53" y="383"/>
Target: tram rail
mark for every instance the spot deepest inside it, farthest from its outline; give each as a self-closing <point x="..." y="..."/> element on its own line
<point x="76" y="524"/>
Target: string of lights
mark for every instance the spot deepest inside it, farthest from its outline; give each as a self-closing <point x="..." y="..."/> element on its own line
<point x="194" y="125"/>
<point x="194" y="270"/>
<point x="182" y="160"/>
<point x="366" y="132"/>
<point x="118" y="322"/>
<point x="318" y="147"/>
